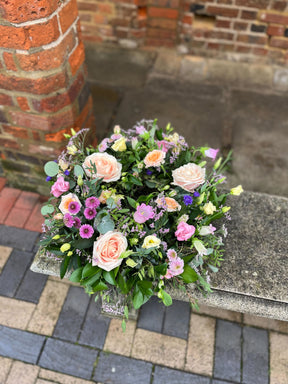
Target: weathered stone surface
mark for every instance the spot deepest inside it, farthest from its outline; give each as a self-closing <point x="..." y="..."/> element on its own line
<point x="118" y="341"/>
<point x="171" y="376"/>
<point x="31" y="287"/>
<point x="176" y="321"/>
<point x="17" y="238"/>
<point x="151" y="315"/>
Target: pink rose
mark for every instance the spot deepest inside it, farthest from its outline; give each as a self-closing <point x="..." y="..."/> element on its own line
<point x="184" y="231"/>
<point x="189" y="176"/>
<point x="107" y="167"/>
<point x="107" y="250"/>
<point x="60" y="186"/>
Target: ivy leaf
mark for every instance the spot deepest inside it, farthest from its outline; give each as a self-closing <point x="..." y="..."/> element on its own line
<point x="76" y="275"/>
<point x="189" y="275"/>
<point x="51" y="168"/>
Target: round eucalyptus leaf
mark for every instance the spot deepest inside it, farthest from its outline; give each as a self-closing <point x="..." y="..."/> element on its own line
<point x="51" y="168"/>
<point x="46" y="209"/>
<point x="78" y="170"/>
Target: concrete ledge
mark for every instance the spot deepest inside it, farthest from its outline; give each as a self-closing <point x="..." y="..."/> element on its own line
<point x="253" y="277"/>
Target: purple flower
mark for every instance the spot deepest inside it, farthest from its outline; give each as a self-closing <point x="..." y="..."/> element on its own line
<point x="196" y="194"/>
<point x="92" y="202"/>
<point x="67" y="173"/>
<point x="68" y="220"/>
<point x="212" y="153"/>
<point x="149" y="172"/>
<point x="74" y="207"/>
<point x="143" y="213"/>
<point x="89" y="213"/>
<point x="140" y="130"/>
<point x="188" y="200"/>
<point x="48" y="178"/>
<point x="86" y="231"/>
<point x="77" y="222"/>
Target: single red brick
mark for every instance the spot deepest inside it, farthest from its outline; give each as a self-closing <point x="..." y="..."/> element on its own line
<point x="220" y="23"/>
<point x="240" y="26"/>
<point x="248" y="15"/>
<point x="161" y="33"/>
<point x="153" y="42"/>
<point x="8" y="196"/>
<point x="52" y="103"/>
<point x="27" y="200"/>
<point x="16" y="131"/>
<point x="17" y="217"/>
<point x="187" y="19"/>
<point x="279" y="5"/>
<point x="162" y="23"/>
<point x="5" y="99"/>
<point x="273" y="17"/>
<point x="36" y="136"/>
<point x="141" y="3"/>
<point x="275" y="30"/>
<point x="85" y="17"/>
<point x="12" y="37"/>
<point x="279" y="42"/>
<point x="93" y="7"/>
<point x="99" y="18"/>
<point x="261" y="4"/>
<point x="50" y="58"/>
<point x="8" y="143"/>
<point x="260" y="51"/>
<point x="222" y="11"/>
<point x="23" y="103"/>
<point x="68" y="15"/>
<point x="165" y="13"/>
<point x="219" y="35"/>
<point x="9" y="61"/>
<point x="243" y="48"/>
<point x="35" y="220"/>
<point x="253" y="39"/>
<point x="2" y="183"/>
<point x="77" y="58"/>
<point x="20" y="11"/>
<point x="42" y="34"/>
<point x="106" y="8"/>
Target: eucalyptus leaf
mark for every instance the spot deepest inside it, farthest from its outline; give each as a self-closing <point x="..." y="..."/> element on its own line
<point x="106" y="225"/>
<point x="78" y="170"/>
<point x="51" y="168"/>
<point x="47" y="209"/>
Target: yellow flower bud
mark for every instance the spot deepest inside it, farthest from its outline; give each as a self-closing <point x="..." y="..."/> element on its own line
<point x="70" y="253"/>
<point x="80" y="180"/>
<point x="56" y="237"/>
<point x="134" y="241"/>
<point x="65" y="247"/>
<point x="225" y="209"/>
<point x="72" y="149"/>
<point x="119" y="145"/>
<point x="200" y="198"/>
<point x="218" y="163"/>
<point x="117" y="129"/>
<point x="237" y="190"/>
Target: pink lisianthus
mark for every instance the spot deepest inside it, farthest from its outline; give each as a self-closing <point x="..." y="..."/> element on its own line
<point x="176" y="267"/>
<point x="207" y="230"/>
<point x="172" y="254"/>
<point x="184" y="231"/>
<point x="164" y="145"/>
<point x="143" y="213"/>
<point x="212" y="153"/>
<point x="59" y="187"/>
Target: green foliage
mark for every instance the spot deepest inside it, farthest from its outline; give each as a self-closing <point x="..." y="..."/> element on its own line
<point x="51" y="168"/>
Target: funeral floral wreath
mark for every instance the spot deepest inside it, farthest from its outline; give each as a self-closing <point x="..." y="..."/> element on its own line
<point x="136" y="213"/>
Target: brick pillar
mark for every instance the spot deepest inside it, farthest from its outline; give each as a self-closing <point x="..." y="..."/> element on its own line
<point x="43" y="89"/>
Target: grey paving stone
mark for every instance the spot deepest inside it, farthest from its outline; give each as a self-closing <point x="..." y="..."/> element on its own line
<point x="20" y="345"/>
<point x="227" y="364"/>
<point x="171" y="376"/>
<point x="31" y="287"/>
<point x="18" y="238"/>
<point x="151" y="315"/>
<point x="255" y="356"/>
<point x="221" y="382"/>
<point x="72" y="314"/>
<point x="14" y="271"/>
<point x="95" y="326"/>
<point x="68" y="358"/>
<point x="176" y="320"/>
<point x="114" y="369"/>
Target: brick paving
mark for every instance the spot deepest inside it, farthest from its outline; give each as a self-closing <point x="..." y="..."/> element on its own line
<point x="52" y="332"/>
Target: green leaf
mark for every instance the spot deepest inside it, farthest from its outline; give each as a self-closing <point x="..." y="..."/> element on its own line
<point x="78" y="170"/>
<point x="123" y="325"/>
<point x="111" y="203"/>
<point x="126" y="312"/>
<point x="92" y="279"/>
<point x="162" y="269"/>
<point x="124" y="210"/>
<point x="122" y="284"/>
<point x="132" y="202"/>
<point x="106" y="225"/>
<point x="150" y="184"/>
<point x="187" y="258"/>
<point x="51" y="168"/>
<point x="131" y="263"/>
<point x="76" y="275"/>
<point x="101" y="286"/>
<point x="83" y="243"/>
<point x="187" y="157"/>
<point x="135" y="180"/>
<point x="138" y="299"/>
<point x="64" y="266"/>
<point x="167" y="299"/>
<point x="89" y="270"/>
<point x="213" y="268"/>
<point x="189" y="275"/>
<point x="47" y="209"/>
<point x="109" y="277"/>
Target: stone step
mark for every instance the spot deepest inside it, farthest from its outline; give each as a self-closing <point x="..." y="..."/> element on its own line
<point x="253" y="276"/>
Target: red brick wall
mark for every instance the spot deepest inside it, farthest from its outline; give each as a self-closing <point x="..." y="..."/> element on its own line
<point x="43" y="90"/>
<point x="249" y="29"/>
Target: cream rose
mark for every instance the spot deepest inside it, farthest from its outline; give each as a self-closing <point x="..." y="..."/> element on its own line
<point x="66" y="200"/>
<point x="154" y="158"/>
<point x="189" y="176"/>
<point x="107" y="167"/>
<point x="107" y="250"/>
<point x="151" y="241"/>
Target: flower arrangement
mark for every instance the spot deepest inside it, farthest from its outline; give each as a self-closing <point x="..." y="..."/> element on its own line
<point x="136" y="213"/>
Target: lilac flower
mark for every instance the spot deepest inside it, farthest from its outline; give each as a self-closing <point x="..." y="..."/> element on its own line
<point x="212" y="153"/>
<point x="164" y="245"/>
<point x="143" y="213"/>
<point x="74" y="207"/>
<point x="188" y="200"/>
<point x="140" y="130"/>
<point x="86" y="231"/>
<point x="196" y="194"/>
<point x="103" y="145"/>
<point x="92" y="202"/>
<point x="89" y="213"/>
<point x="77" y="222"/>
<point x="68" y="220"/>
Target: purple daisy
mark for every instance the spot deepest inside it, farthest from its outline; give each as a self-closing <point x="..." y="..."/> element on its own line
<point x="68" y="220"/>
<point x="86" y="231"/>
<point x="92" y="202"/>
<point x="74" y="207"/>
<point x="89" y="213"/>
<point x="77" y="222"/>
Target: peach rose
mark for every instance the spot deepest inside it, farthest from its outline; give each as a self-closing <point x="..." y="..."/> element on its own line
<point x="107" y="250"/>
<point x="154" y="158"/>
<point x="171" y="203"/>
<point x="66" y="200"/>
<point x="189" y="176"/>
<point x="107" y="167"/>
